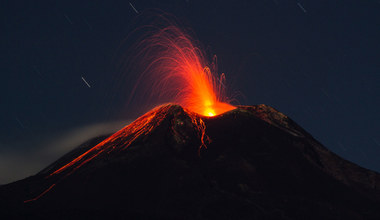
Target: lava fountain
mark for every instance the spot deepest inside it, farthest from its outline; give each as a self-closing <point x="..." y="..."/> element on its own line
<point x="175" y="69"/>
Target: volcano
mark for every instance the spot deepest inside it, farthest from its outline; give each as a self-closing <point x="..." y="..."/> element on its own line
<point x="252" y="162"/>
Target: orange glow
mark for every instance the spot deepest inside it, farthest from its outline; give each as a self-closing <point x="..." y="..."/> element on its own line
<point x="175" y="69"/>
<point x="120" y="140"/>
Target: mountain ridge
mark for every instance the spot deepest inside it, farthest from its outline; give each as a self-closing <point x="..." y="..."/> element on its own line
<point x="171" y="163"/>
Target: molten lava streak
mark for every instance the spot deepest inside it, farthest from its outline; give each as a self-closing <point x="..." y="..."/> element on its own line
<point x="176" y="70"/>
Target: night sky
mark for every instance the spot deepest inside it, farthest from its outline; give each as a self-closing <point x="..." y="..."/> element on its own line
<point x="316" y="61"/>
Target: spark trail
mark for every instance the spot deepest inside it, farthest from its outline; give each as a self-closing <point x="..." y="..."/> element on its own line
<point x="175" y="68"/>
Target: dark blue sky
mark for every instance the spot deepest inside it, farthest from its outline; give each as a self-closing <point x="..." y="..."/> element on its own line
<point x="316" y="61"/>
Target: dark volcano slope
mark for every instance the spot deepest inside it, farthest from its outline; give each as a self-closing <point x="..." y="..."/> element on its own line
<point x="258" y="164"/>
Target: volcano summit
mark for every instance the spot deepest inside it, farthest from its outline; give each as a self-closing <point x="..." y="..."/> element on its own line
<point x="249" y="163"/>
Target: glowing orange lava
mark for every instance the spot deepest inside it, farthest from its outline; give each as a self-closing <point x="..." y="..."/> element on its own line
<point x="176" y="69"/>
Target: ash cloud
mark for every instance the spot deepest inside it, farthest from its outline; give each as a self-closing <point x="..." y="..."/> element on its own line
<point x="15" y="165"/>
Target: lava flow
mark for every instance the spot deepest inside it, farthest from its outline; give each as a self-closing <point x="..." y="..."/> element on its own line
<point x="122" y="139"/>
<point x="176" y="69"/>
